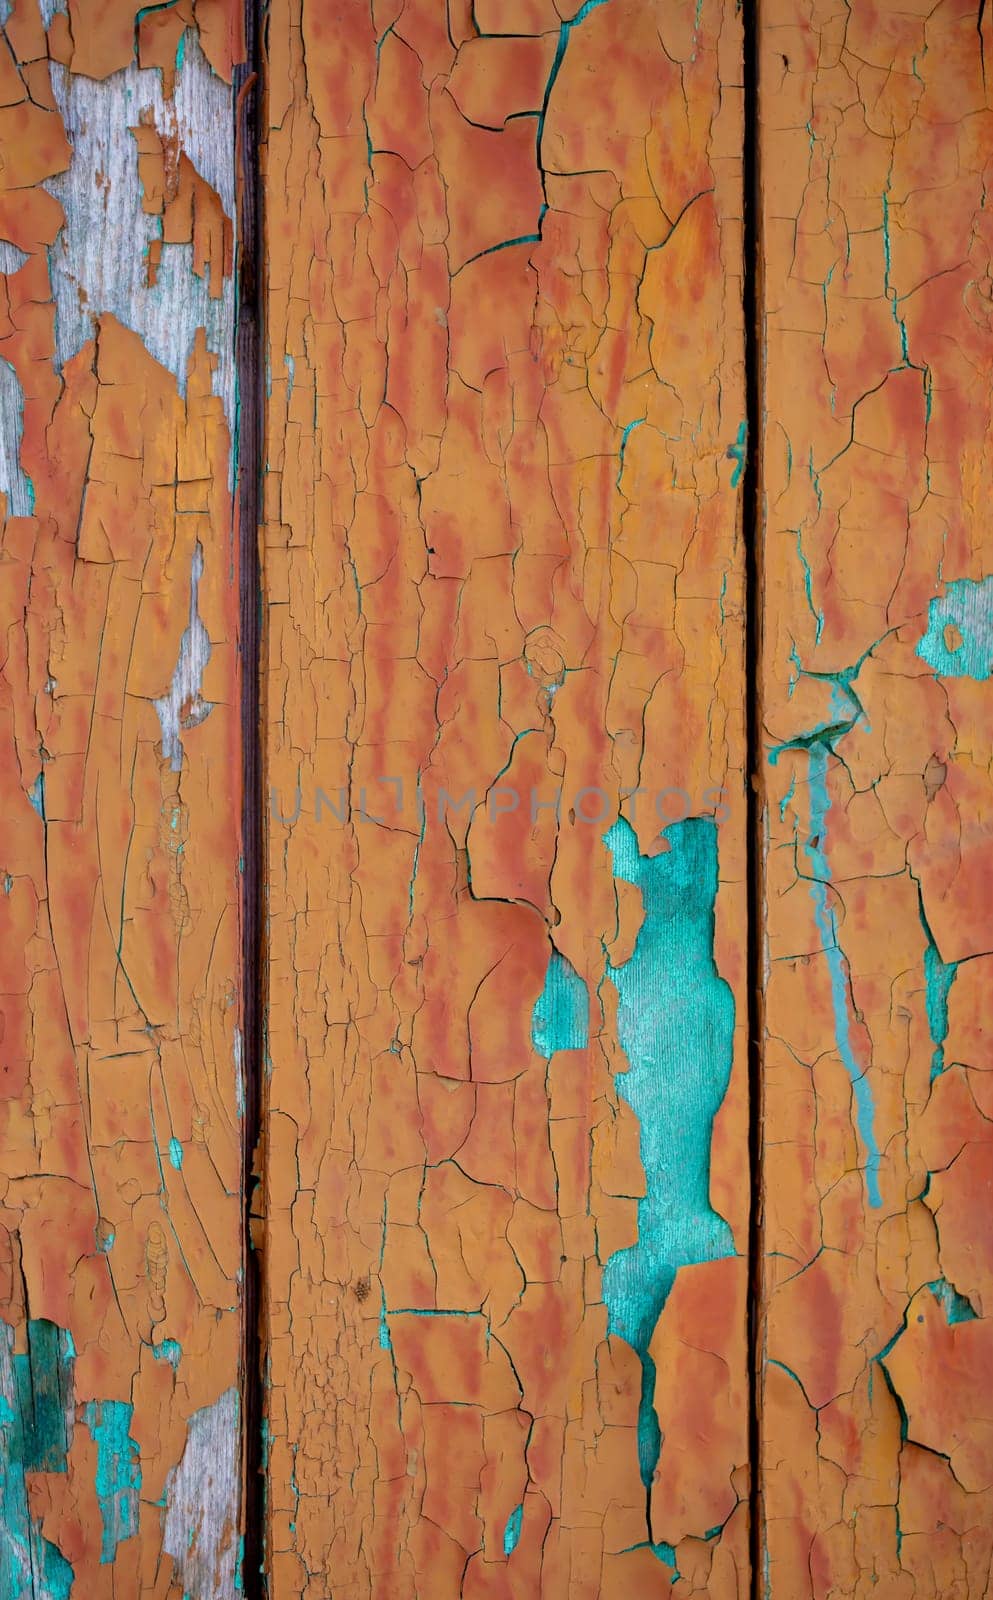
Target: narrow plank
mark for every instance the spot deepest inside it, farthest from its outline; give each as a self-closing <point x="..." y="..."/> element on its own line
<point x="120" y="1226"/>
<point x="876" y="150"/>
<point x="505" y="1153"/>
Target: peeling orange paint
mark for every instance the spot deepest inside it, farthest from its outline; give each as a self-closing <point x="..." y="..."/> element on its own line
<point x="121" y="1212"/>
<point x="876" y="149"/>
<point x="502" y="560"/>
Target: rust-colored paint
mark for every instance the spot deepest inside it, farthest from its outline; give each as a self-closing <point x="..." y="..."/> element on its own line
<point x="503" y="1227"/>
<point x="119" y="866"/>
<point x="501" y="557"/>
<point x="876" y="154"/>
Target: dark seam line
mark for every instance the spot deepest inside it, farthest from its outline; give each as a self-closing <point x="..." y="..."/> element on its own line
<point x="752" y="526"/>
<point x="248" y="479"/>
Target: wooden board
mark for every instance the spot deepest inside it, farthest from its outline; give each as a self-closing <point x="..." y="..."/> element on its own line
<point x="876" y="150"/>
<point x="120" y="1227"/>
<point x="506" y="1156"/>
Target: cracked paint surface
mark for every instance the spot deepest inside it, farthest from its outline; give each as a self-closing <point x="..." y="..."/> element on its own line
<point x="120" y="1264"/>
<point x="504" y="450"/>
<point x="876" y="127"/>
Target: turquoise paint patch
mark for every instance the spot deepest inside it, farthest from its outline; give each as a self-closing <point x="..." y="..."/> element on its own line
<point x="29" y="1563"/>
<point x="168" y="1350"/>
<point x="118" y="1474"/>
<point x="176" y="1154"/>
<point x="939" y="976"/>
<point x="676" y="1026"/>
<point x="561" y="1016"/>
<point x="385" y="1342"/>
<point x="827" y="927"/>
<point x="628" y="430"/>
<point x="808" y="589"/>
<point x="736" y="453"/>
<point x="955" y="1306"/>
<point x="845" y="712"/>
<point x="512" y="1532"/>
<point x="967" y="608"/>
<point x="44" y="1380"/>
<point x="36" y="795"/>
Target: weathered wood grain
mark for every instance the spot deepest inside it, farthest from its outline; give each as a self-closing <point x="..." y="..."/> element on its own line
<point x="505" y="1150"/>
<point x="876" y="158"/>
<point x="120" y="788"/>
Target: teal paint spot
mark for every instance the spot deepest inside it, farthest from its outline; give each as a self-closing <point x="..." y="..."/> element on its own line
<point x="36" y="795"/>
<point x="787" y="797"/>
<point x="44" y="1380"/>
<point x="819" y="751"/>
<point x="181" y="50"/>
<point x="512" y="1532"/>
<point x="955" y="1306"/>
<point x="239" y="1571"/>
<point x="938" y="979"/>
<point x="676" y="1025"/>
<point x="118" y="1474"/>
<point x="561" y="1016"/>
<point x="29" y="1435"/>
<point x="736" y="453"/>
<point x="628" y="430"/>
<point x="105" y="1242"/>
<point x="808" y="589"/>
<point x="169" y="1350"/>
<point x="967" y="607"/>
<point x="385" y="1342"/>
<point x="8" y="883"/>
<point x="176" y="1153"/>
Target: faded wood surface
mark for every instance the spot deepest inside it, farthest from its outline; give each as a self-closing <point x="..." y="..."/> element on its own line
<point x="120" y="1457"/>
<point x="506" y="1090"/>
<point x="876" y="156"/>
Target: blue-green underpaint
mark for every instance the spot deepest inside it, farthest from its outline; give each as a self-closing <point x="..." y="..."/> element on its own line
<point x="966" y="607"/>
<point x="561" y="1016"/>
<point x="938" y="979"/>
<point x="628" y="429"/>
<point x="808" y="589"/>
<point x="168" y="1350"/>
<point x="44" y="1377"/>
<point x="118" y="1474"/>
<point x="827" y="927"/>
<point x="36" y="795"/>
<point x="676" y="1026"/>
<point x="955" y="1306"/>
<point x="845" y="711"/>
<point x="32" y="1438"/>
<point x="175" y="1153"/>
<point x="512" y="1532"/>
<point x="736" y="453"/>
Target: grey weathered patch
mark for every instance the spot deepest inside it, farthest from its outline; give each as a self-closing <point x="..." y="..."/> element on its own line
<point x="11" y="259"/>
<point x="14" y="482"/>
<point x="184" y="707"/>
<point x="100" y="263"/>
<point x="202" y="1504"/>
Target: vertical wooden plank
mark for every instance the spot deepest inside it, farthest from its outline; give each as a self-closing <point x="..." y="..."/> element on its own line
<point x="876" y="151"/>
<point x="506" y="1117"/>
<point x="120" y="1454"/>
